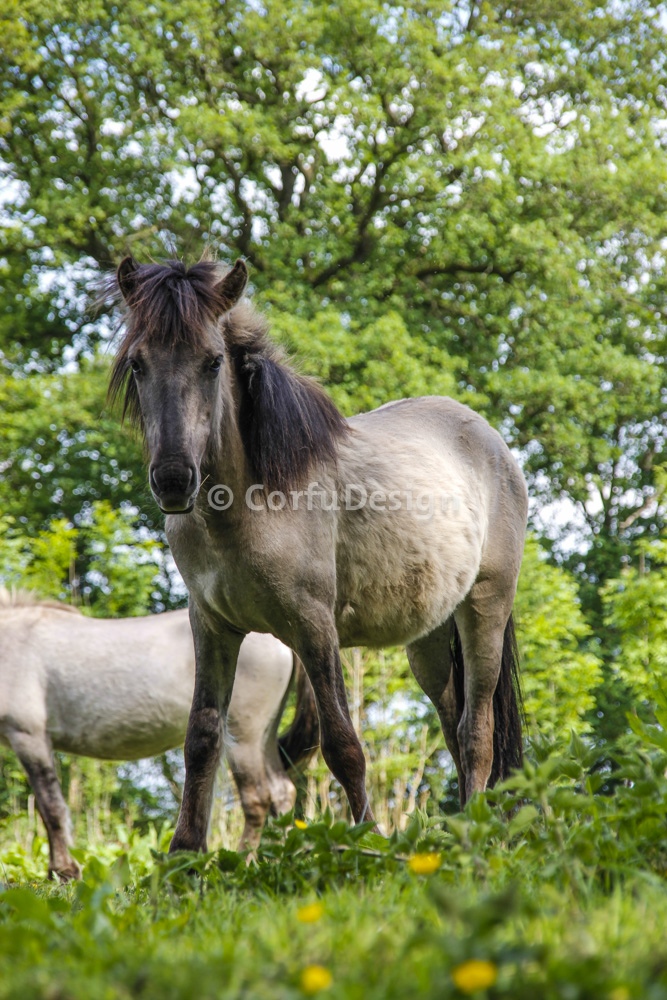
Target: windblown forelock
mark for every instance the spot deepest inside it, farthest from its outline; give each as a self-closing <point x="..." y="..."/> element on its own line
<point x="169" y="304"/>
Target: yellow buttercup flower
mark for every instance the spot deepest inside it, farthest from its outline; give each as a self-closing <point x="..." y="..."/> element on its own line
<point x="424" y="864"/>
<point x="475" y="975"/>
<point x="315" y="978"/>
<point x="300" y="825"/>
<point x="310" y="914"/>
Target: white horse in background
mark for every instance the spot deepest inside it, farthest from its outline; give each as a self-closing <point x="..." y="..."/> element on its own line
<point x="121" y="689"/>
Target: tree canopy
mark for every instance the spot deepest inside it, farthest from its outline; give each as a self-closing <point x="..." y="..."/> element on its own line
<point x="438" y="197"/>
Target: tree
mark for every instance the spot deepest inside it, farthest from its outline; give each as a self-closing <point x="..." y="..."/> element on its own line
<point x="61" y="449"/>
<point x="635" y="605"/>
<point x="105" y="564"/>
<point x="494" y="176"/>
<point x="559" y="667"/>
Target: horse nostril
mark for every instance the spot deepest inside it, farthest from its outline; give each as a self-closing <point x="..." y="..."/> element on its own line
<point x="172" y="478"/>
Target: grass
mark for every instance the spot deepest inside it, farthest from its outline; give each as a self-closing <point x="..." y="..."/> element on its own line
<point x="399" y="936"/>
<point x="551" y="887"/>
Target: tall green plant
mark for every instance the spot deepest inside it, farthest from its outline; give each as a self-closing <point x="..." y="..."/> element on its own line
<point x="560" y="668"/>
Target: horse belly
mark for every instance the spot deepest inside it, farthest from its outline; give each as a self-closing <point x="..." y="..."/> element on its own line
<point x="401" y="579"/>
<point x="140" y="734"/>
<point x="122" y="714"/>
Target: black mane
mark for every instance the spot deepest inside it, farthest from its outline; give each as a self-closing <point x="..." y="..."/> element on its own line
<point x="287" y="422"/>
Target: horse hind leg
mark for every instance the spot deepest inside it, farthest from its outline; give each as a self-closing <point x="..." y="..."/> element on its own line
<point x="484" y="624"/>
<point x="434" y="666"/>
<point x="35" y="755"/>
<point x="262" y="783"/>
<point x="281" y="789"/>
<point x="261" y="790"/>
<point x="255" y="711"/>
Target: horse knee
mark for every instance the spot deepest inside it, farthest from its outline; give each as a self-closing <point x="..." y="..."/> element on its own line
<point x="203" y="743"/>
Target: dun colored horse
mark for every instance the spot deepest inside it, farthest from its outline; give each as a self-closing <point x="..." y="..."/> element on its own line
<point x="403" y="525"/>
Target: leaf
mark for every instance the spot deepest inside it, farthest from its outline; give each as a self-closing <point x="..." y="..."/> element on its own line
<point x="28" y="906"/>
<point x="525" y="818"/>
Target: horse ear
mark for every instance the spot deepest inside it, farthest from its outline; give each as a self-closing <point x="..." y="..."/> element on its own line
<point x="127" y="276"/>
<point x="233" y="285"/>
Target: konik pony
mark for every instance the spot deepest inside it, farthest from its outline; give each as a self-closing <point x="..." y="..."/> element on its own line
<point x="430" y="559"/>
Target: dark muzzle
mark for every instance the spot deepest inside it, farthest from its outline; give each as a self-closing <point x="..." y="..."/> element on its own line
<point x="174" y="485"/>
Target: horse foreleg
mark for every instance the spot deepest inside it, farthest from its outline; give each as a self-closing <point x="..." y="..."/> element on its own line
<point x="247" y="766"/>
<point x="339" y="743"/>
<point x="216" y="653"/>
<point x="35" y="755"/>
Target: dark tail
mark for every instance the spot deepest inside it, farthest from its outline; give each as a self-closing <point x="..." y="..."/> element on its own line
<point x="507" y="704"/>
<point x="298" y="744"/>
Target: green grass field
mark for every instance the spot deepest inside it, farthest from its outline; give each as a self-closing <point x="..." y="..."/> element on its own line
<point x="552" y="886"/>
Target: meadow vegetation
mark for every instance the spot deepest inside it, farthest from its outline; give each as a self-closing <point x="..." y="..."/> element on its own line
<point x="439" y="197"/>
<point x="552" y="885"/>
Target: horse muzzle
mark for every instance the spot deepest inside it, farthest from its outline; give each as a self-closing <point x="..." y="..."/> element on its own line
<point x="175" y="486"/>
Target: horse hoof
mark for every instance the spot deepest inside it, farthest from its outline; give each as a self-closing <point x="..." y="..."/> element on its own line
<point x="184" y="844"/>
<point x="66" y="873"/>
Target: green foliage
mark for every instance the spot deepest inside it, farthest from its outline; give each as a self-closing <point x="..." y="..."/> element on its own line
<point x="61" y="450"/>
<point x="636" y="609"/>
<point x="104" y="562"/>
<point x="41" y="564"/>
<point x="559" y="668"/>
<point x="365" y="365"/>
<point x="538" y="883"/>
<point x="484" y="183"/>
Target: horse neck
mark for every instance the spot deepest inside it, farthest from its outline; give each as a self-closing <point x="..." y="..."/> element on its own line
<point x="225" y="462"/>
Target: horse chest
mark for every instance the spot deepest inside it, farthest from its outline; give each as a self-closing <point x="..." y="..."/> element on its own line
<point x="230" y="589"/>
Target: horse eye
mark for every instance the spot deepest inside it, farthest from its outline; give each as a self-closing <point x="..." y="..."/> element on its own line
<point x="215" y="364"/>
<point x="135" y="366"/>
